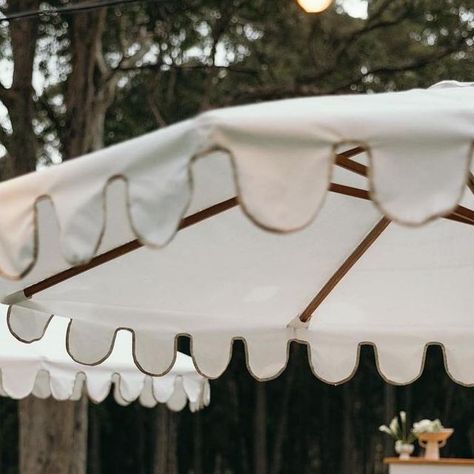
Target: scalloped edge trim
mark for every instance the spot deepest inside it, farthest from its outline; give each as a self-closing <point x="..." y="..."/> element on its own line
<point x="296" y="340"/>
<point x="112" y="387"/>
<point x="191" y="186"/>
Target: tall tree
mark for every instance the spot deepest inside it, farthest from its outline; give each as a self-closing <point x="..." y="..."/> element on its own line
<point x="20" y="142"/>
<point x="53" y="436"/>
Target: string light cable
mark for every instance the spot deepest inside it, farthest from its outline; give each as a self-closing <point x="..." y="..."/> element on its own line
<point x="74" y="8"/>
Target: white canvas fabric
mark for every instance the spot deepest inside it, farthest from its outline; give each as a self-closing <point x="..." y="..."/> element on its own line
<point x="225" y="278"/>
<point x="44" y="369"/>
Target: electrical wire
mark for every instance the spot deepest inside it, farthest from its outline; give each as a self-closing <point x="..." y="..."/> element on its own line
<point x="75" y="8"/>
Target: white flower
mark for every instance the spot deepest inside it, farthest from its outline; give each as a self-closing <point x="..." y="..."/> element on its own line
<point x="422" y="426"/>
<point x="427" y="426"/>
<point x="398" y="429"/>
<point x="394" y="426"/>
<point x="437" y="426"/>
<point x="385" y="429"/>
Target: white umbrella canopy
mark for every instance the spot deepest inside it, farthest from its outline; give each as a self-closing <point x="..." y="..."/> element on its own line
<point x="44" y="369"/>
<point x="81" y="238"/>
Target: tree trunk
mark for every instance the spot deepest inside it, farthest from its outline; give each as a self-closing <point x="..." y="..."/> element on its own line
<point x="282" y="423"/>
<point x="238" y="413"/>
<point x="260" y="431"/>
<point x="86" y="31"/>
<point x="389" y="413"/>
<point x="53" y="436"/>
<point x="173" y="443"/>
<point x="348" y="441"/>
<point x="165" y="459"/>
<point x="21" y="143"/>
<point x="197" y="444"/>
<point x="140" y="437"/>
<point x="160" y="460"/>
<point x="94" y="460"/>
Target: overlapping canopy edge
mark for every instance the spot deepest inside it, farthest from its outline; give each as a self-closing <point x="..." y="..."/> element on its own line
<point x="50" y="383"/>
<point x="282" y="171"/>
<point x="17" y="263"/>
<point x="44" y="369"/>
<point x="270" y="198"/>
<point x="333" y="358"/>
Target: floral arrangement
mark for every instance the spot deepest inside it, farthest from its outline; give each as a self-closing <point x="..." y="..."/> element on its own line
<point x="431" y="435"/>
<point x="398" y="429"/>
<point x="428" y="426"/>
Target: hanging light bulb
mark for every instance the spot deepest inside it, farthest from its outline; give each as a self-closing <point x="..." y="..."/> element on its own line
<point x="314" y="6"/>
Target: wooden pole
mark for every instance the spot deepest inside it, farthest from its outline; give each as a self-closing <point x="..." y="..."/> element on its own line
<point x="350" y="261"/>
<point x="460" y="214"/>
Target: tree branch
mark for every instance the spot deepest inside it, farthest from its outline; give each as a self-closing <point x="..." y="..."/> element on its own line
<point x="380" y="10"/>
<point x="410" y="66"/>
<point x="307" y="89"/>
<point x="370" y="26"/>
<point x="184" y="67"/>
<point x="156" y="111"/>
<point x="161" y="122"/>
<point x="44" y="104"/>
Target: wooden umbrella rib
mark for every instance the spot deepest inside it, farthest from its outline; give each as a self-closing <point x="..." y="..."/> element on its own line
<point x="461" y="214"/>
<point x="470" y="182"/>
<point x="136" y="244"/>
<point x="345" y="162"/>
<point x="350" y="153"/>
<point x="349" y="191"/>
<point x="342" y="271"/>
<point x="456" y="217"/>
<point x="124" y="249"/>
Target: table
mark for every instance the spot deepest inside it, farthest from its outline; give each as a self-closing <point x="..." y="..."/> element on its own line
<point x="424" y="466"/>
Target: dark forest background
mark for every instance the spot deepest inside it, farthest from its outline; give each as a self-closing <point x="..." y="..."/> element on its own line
<point x="304" y="425"/>
<point x="72" y="83"/>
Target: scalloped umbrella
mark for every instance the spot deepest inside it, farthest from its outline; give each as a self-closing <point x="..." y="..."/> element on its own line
<point x="329" y="221"/>
<point x="44" y="369"/>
